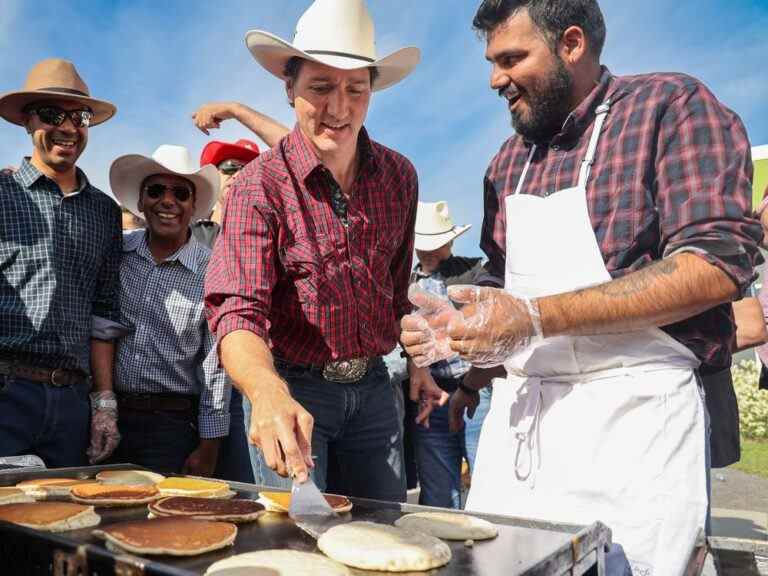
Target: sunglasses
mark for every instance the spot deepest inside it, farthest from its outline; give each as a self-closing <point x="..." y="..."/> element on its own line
<point x="155" y="191"/>
<point x="230" y="167"/>
<point x="55" y="116"/>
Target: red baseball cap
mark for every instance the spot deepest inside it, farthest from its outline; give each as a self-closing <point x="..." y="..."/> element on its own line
<point x="216" y="152"/>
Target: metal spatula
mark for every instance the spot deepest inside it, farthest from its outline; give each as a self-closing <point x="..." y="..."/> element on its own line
<point x="310" y="510"/>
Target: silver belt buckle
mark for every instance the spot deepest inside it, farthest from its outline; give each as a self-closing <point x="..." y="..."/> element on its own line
<point x="345" y="371"/>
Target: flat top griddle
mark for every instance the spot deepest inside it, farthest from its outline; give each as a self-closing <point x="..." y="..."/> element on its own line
<point x="523" y="547"/>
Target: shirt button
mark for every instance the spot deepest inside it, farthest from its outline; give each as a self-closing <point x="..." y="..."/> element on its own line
<point x="137" y="357"/>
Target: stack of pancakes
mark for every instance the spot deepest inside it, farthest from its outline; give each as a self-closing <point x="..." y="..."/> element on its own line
<point x="234" y="510"/>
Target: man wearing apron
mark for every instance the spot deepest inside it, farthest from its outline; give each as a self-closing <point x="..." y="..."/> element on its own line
<point x="621" y="206"/>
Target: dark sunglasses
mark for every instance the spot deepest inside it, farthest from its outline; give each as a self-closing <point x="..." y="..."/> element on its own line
<point x="55" y="116"/>
<point x="229" y="167"/>
<point x="156" y="191"/>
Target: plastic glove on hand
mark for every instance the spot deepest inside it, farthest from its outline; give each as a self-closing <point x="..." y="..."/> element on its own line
<point x="104" y="434"/>
<point x="425" y="332"/>
<point x="494" y="325"/>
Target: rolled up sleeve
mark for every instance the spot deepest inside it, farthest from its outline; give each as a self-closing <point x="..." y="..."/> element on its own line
<point x="106" y="300"/>
<point x="242" y="270"/>
<point x="704" y="185"/>
<point x="213" y="411"/>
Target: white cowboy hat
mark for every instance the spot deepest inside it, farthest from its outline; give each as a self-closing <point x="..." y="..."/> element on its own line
<point x="53" y="79"/>
<point x="128" y="172"/>
<point x="435" y="227"/>
<point x="337" y="33"/>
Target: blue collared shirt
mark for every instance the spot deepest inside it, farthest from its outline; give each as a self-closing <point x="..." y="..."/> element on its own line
<point x="169" y="348"/>
<point x="59" y="265"/>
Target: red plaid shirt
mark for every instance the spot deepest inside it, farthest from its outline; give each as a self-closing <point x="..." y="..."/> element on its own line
<point x="672" y="173"/>
<point x="287" y="269"/>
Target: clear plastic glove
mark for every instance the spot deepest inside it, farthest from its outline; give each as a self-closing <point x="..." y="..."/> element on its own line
<point x="104" y="434"/>
<point x="425" y="332"/>
<point x="493" y="326"/>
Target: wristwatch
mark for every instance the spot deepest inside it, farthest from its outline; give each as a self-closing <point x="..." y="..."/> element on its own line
<point x="104" y="404"/>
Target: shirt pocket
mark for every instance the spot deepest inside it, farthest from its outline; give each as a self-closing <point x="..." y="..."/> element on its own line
<point x="303" y="262"/>
<point x="381" y="274"/>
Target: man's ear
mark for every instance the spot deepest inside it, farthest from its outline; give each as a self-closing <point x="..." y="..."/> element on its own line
<point x="289" y="91"/>
<point x="140" y="203"/>
<point x="573" y="45"/>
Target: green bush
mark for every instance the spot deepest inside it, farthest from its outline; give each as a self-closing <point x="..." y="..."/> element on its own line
<point x="753" y="402"/>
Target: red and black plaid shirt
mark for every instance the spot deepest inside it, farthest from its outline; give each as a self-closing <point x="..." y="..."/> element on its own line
<point x="672" y="173"/>
<point x="287" y="269"/>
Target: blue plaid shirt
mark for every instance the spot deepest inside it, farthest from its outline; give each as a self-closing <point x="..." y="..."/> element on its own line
<point x="169" y="348"/>
<point x="59" y="263"/>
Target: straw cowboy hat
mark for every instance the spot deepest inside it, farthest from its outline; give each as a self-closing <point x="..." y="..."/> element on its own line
<point x="128" y="172"/>
<point x="53" y="79"/>
<point x="337" y="33"/>
<point x="435" y="227"/>
<point x="216" y="152"/>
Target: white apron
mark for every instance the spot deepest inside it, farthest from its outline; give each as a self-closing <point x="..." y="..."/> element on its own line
<point x="607" y="428"/>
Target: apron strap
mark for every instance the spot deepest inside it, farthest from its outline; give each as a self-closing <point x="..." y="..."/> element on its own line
<point x="521" y="181"/>
<point x="589" y="159"/>
<point x="526" y="435"/>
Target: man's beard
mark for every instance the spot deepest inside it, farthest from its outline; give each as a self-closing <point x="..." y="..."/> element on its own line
<point x="549" y="106"/>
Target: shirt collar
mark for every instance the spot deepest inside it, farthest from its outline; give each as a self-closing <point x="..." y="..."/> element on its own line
<point x="27" y="175"/>
<point x="582" y="116"/>
<point x="305" y="161"/>
<point x="187" y="255"/>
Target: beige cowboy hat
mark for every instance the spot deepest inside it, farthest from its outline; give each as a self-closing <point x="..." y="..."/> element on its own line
<point x="337" y="33"/>
<point x="128" y="172"/>
<point x="435" y="227"/>
<point x="53" y="79"/>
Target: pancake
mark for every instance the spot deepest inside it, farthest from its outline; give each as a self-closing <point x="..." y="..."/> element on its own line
<point x="281" y="501"/>
<point x="114" y="494"/>
<point x="132" y="477"/>
<point x="194" y="487"/>
<point x="14" y="496"/>
<point x="51" y="488"/>
<point x="234" y="510"/>
<point x="172" y="536"/>
<point x="50" y="516"/>
<point x="449" y="526"/>
<point x="277" y="563"/>
<point x="383" y="547"/>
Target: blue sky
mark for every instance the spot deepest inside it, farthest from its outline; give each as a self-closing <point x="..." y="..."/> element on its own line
<point x="158" y="60"/>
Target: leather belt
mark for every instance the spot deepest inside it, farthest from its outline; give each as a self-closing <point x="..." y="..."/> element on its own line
<point x="157" y="402"/>
<point x="57" y="377"/>
<point x="348" y="371"/>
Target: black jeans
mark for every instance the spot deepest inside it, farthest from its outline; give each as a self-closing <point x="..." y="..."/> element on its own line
<point x="159" y="440"/>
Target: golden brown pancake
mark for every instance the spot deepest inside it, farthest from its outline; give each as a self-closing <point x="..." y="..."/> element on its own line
<point x="114" y="494"/>
<point x="173" y="536"/>
<point x="234" y="510"/>
<point x="281" y="501"/>
<point x="50" y="516"/>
